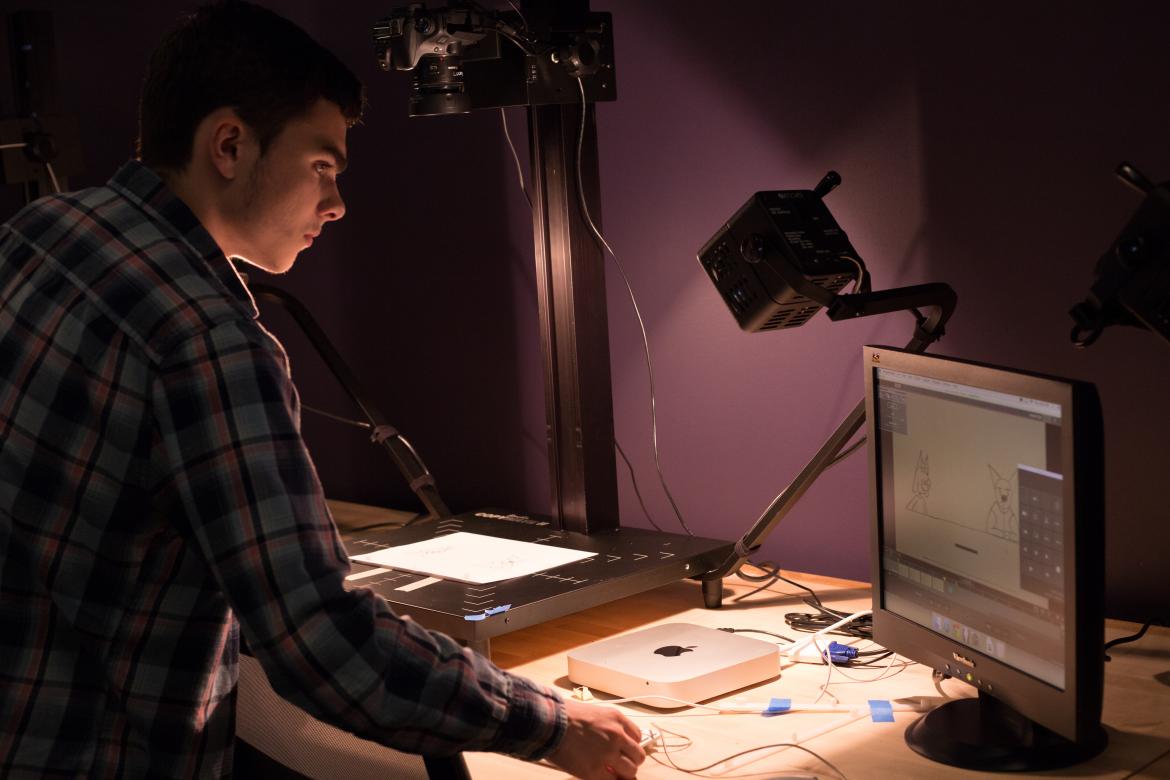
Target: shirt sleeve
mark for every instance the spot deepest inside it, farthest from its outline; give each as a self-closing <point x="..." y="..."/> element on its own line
<point x="255" y="510"/>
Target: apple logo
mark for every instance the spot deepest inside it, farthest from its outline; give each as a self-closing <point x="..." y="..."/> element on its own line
<point x="673" y="651"/>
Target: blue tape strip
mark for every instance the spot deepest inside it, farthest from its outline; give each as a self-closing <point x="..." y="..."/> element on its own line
<point x="881" y="711"/>
<point x="488" y="612"/>
<point x="777" y="706"/>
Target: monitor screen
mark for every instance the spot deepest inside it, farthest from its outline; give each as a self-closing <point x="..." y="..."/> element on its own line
<point x="986" y="488"/>
<point x="973" y="524"/>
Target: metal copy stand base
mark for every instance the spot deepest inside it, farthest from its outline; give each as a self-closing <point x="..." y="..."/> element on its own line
<point x="626" y="561"/>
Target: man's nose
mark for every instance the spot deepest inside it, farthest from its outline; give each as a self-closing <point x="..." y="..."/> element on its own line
<point x="332" y="208"/>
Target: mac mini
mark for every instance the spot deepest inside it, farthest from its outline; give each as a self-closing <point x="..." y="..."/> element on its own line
<point x="676" y="660"/>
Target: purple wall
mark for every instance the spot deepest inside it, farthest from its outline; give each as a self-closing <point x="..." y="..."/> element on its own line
<point x="976" y="145"/>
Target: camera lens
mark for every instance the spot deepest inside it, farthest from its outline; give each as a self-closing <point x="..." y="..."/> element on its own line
<point x="438" y="87"/>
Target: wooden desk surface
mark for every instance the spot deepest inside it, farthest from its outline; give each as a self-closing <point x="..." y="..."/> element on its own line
<point x="1136" y="707"/>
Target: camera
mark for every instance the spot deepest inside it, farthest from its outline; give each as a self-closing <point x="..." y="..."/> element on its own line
<point x="433" y="44"/>
<point x="465" y="57"/>
<point x="1132" y="285"/>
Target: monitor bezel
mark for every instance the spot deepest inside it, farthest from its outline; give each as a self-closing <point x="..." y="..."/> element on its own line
<point x="1074" y="712"/>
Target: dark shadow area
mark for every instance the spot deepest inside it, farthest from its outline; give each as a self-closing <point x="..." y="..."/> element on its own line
<point x="415" y="283"/>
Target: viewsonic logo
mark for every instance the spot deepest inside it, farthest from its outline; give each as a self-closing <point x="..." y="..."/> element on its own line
<point x="964" y="660"/>
<point x="673" y="651"/>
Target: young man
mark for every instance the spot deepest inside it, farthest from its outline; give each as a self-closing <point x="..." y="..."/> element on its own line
<point x="156" y="497"/>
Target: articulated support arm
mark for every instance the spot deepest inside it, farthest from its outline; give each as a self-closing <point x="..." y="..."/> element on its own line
<point x="409" y="464"/>
<point x="941" y="299"/>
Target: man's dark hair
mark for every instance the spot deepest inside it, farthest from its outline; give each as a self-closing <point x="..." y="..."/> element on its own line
<point x="242" y="56"/>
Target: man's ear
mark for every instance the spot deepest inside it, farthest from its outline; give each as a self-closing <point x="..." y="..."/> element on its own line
<point x="228" y="142"/>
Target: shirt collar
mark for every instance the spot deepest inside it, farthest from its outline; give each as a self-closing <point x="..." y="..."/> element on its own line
<point x="141" y="184"/>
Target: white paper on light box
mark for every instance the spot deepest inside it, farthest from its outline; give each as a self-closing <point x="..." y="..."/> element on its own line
<point x="473" y="558"/>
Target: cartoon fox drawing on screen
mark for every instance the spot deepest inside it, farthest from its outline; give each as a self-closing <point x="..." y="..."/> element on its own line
<point x="921" y="488"/>
<point x="1001" y="517"/>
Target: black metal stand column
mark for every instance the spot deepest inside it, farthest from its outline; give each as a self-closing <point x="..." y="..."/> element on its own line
<point x="574" y="327"/>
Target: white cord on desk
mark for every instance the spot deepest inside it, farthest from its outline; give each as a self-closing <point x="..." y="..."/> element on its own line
<point x="909" y="704"/>
<point x="796" y="647"/>
<point x="797" y="738"/>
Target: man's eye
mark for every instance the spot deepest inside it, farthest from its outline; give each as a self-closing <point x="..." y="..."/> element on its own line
<point x="322" y="167"/>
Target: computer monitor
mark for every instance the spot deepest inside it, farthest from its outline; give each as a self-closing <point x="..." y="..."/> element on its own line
<point x="987" y="495"/>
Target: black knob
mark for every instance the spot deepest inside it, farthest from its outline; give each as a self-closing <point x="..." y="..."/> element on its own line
<point x="1134" y="178"/>
<point x="827" y="184"/>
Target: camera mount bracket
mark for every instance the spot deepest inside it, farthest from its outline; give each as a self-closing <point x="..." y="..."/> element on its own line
<point x="936" y="296"/>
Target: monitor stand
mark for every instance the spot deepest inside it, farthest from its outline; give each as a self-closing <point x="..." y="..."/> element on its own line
<point x="627" y="561"/>
<point x="988" y="735"/>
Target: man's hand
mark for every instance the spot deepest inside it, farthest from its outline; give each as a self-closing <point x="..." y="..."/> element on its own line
<point x="600" y="744"/>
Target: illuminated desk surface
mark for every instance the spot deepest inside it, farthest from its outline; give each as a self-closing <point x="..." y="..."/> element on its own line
<point x="1136" y="712"/>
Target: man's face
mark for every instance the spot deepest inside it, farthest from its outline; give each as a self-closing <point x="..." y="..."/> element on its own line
<point x="291" y="191"/>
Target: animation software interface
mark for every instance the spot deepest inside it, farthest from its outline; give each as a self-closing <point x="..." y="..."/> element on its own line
<point x="973" y="520"/>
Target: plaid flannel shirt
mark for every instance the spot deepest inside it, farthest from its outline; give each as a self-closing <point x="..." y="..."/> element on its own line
<point x="156" y="498"/>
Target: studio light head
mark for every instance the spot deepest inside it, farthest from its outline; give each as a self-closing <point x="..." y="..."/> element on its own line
<point x="763" y="260"/>
<point x="1132" y="284"/>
